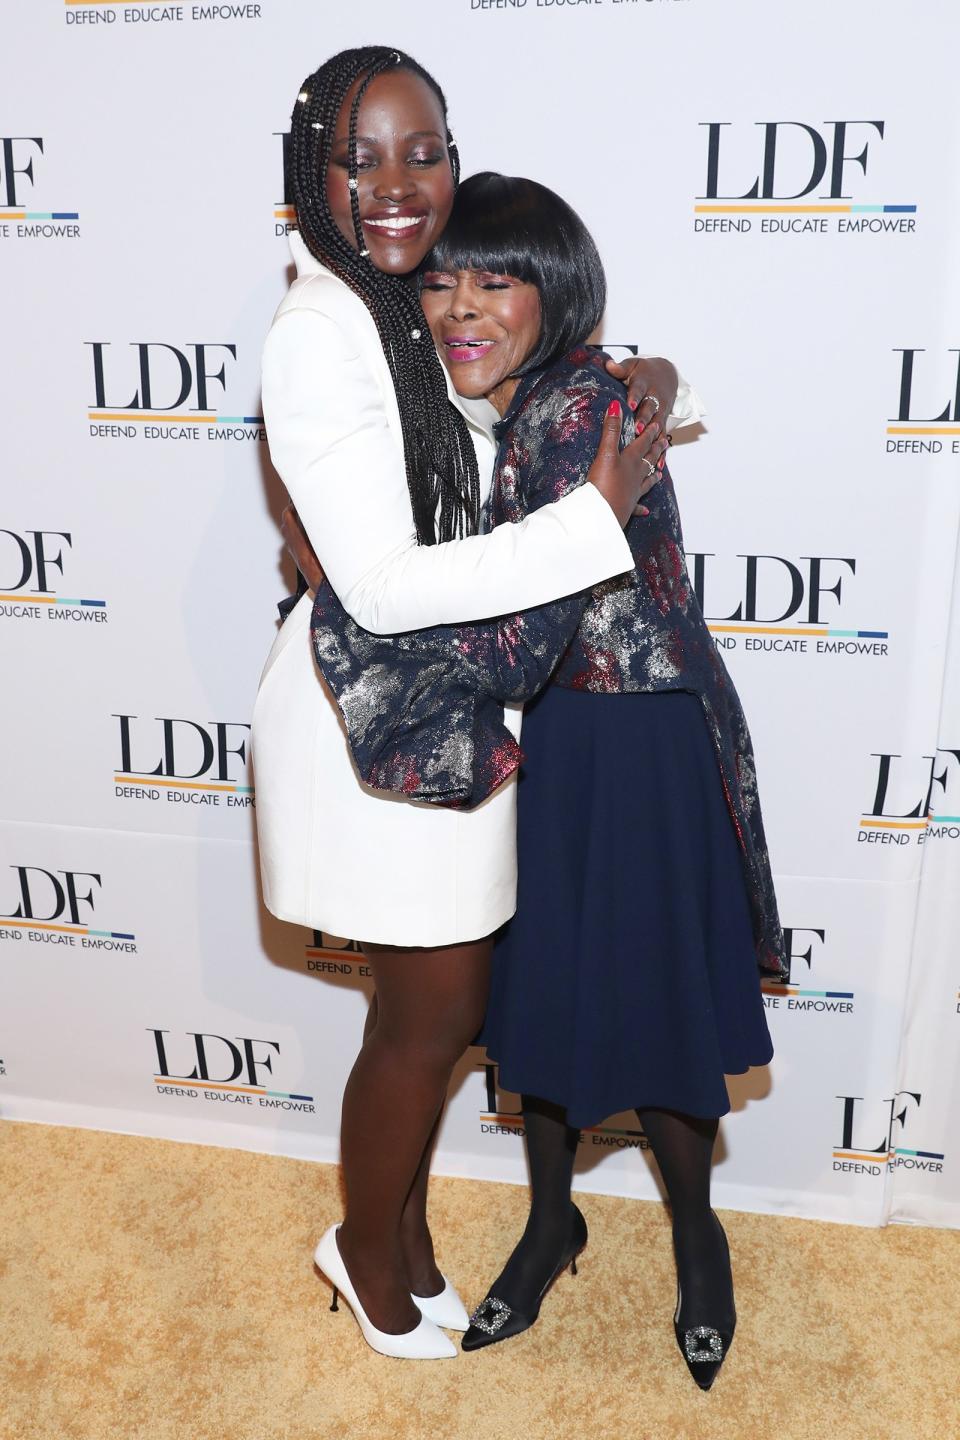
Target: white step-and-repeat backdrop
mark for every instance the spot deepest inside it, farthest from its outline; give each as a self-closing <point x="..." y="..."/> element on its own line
<point x="776" y="198"/>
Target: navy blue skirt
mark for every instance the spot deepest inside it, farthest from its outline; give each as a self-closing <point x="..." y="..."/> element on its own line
<point x="628" y="976"/>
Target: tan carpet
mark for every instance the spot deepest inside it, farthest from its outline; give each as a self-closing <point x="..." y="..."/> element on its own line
<point x="157" y="1290"/>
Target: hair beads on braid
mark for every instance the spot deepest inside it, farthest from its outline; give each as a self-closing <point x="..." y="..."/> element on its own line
<point x="441" y="465"/>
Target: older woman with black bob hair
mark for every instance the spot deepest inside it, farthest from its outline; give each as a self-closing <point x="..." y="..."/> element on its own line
<point x="628" y="976"/>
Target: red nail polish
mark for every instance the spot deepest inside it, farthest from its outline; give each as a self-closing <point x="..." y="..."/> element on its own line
<point x="614" y="407"/>
<point x="633" y="403"/>
<point x="640" y="428"/>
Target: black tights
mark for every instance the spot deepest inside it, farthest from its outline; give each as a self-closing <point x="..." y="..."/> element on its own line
<point x="430" y="1005"/>
<point x="683" y="1148"/>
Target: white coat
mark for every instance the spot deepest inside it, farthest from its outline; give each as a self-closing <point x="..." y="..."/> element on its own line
<point x="334" y="854"/>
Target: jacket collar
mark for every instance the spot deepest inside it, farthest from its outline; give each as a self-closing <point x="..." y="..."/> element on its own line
<point x="528" y="383"/>
<point x="477" y="412"/>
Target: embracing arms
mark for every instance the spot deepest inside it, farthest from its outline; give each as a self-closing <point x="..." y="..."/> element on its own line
<point x="512" y="657"/>
<point x="326" y="415"/>
<point x="423" y="710"/>
<point x="649" y="378"/>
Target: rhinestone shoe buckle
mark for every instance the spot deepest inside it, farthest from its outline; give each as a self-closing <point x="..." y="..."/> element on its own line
<point x="694" y="1348"/>
<point x="491" y="1315"/>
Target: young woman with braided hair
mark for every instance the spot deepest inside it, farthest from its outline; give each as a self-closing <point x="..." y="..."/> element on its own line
<point x="440" y="462"/>
<point x="388" y="471"/>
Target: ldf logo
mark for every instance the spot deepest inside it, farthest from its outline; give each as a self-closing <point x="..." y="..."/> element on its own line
<point x="18" y="161"/>
<point x="333" y="955"/>
<point x="893" y="793"/>
<point x="31" y="558"/>
<point x="799" y="943"/>
<point x="937" y="391"/>
<point x="165" y="376"/>
<point x="493" y="1119"/>
<point x="240" y="1059"/>
<point x="770" y="588"/>
<point x="885" y="1115"/>
<point x="800" y="149"/>
<point x="810" y="937"/>
<point x="29" y="562"/>
<point x="184" y="743"/>
<point x="18" y="157"/>
<point x="62" y="898"/>
<point x="283" y="210"/>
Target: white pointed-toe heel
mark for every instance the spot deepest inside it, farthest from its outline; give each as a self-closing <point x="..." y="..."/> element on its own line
<point x="446" y="1309"/>
<point x="424" y="1342"/>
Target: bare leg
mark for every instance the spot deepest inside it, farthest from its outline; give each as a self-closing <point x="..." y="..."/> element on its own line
<point x="416" y="1242"/>
<point x="430" y="1004"/>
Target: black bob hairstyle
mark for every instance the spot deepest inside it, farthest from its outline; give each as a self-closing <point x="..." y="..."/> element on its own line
<point x="511" y="226"/>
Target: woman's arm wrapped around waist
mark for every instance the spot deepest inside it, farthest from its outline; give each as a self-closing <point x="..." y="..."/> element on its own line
<point x="423" y="711"/>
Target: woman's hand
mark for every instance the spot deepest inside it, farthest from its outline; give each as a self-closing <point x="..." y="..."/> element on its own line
<point x="299" y="547"/>
<point x="622" y="476"/>
<point x="648" y="376"/>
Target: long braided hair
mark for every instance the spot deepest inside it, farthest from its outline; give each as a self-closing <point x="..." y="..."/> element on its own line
<point x="441" y="464"/>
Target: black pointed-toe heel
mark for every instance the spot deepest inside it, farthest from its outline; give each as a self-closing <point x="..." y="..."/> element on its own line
<point x="704" y="1347"/>
<point x="495" y="1320"/>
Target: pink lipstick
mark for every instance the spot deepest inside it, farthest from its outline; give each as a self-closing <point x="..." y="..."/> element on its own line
<point x="463" y="348"/>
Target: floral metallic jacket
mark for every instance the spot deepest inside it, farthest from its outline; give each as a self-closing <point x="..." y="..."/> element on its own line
<point x="423" y="711"/>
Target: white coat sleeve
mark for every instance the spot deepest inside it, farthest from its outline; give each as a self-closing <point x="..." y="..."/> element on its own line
<point x="688" y="408"/>
<point x="332" y="446"/>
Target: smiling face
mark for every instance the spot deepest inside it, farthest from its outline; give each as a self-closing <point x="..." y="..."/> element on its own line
<point x="404" y="181"/>
<point x="485" y="326"/>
